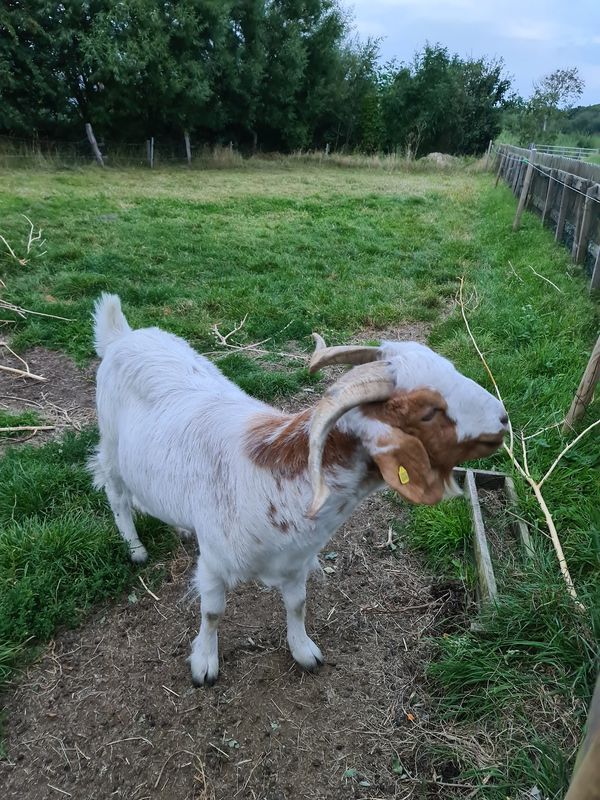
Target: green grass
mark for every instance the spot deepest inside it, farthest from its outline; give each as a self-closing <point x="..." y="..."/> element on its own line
<point x="59" y="550"/>
<point x="13" y="420"/>
<point x="297" y="248"/>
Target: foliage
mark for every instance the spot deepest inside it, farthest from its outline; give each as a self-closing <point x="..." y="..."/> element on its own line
<point x="441" y="102"/>
<point x="545" y="113"/>
<point x="269" y="74"/>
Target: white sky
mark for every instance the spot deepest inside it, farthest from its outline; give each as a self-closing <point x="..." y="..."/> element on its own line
<point x="533" y="36"/>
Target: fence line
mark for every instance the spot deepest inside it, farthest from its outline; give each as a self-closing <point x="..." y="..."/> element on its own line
<point x="566" y="194"/>
<point x="570" y="151"/>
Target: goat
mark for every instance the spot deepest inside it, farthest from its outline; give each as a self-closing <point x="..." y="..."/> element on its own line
<point x="264" y="490"/>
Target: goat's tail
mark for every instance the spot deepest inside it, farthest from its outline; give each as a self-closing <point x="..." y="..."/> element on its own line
<point x="109" y="322"/>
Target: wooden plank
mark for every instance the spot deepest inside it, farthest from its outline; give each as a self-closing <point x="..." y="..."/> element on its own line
<point x="524" y="190"/>
<point x="500" y="168"/>
<point x="580" y="186"/>
<point x="487" y="579"/>
<point x="188" y="149"/>
<point x="519" y="527"/>
<point x="595" y="284"/>
<point x="586" y="389"/>
<point x="550" y="193"/>
<point x="592" y="194"/>
<point x="562" y="213"/>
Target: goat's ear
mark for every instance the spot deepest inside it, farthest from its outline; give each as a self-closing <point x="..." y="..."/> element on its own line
<point x="405" y="467"/>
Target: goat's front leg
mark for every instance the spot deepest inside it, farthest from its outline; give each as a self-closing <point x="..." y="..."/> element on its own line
<point x="204" y="659"/>
<point x="302" y="647"/>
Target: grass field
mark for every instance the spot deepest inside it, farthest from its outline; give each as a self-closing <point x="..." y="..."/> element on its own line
<point x="347" y="252"/>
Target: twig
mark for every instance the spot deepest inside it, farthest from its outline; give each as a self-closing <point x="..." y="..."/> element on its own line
<point x="223" y="339"/>
<point x="56" y="789"/>
<point x="22" y="373"/>
<point x="22" y="312"/>
<point x="151" y="593"/>
<point x="31" y="238"/>
<point x="565" y="450"/>
<point x="10" y="250"/>
<point x="545" y="279"/>
<point x="481" y="356"/>
<point x="514" y="273"/>
<point x="35" y="428"/>
<point x="162" y="769"/>
<point x="15" y="355"/>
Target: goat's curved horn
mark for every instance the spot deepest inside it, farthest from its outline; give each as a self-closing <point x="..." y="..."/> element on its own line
<point x="367" y="383"/>
<point x="345" y="354"/>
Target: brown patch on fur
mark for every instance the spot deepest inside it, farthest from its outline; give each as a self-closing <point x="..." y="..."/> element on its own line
<point x="404" y="411"/>
<point x="279" y="443"/>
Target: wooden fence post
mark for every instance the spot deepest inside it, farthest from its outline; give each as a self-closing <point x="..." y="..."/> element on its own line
<point x="562" y="212"/>
<point x="487" y="155"/>
<point x="524" y="190"/>
<point x="549" y="194"/>
<point x="92" y="140"/>
<point x="581" y="243"/>
<point x="595" y="284"/>
<point x="150" y="151"/>
<point x="584" y="393"/>
<point x="188" y="149"/>
<point x="501" y="165"/>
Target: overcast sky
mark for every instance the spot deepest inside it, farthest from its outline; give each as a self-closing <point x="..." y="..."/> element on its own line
<point x="533" y="36"/>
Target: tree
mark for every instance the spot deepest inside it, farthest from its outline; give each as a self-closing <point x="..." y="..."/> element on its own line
<point x="442" y="102"/>
<point x="555" y="93"/>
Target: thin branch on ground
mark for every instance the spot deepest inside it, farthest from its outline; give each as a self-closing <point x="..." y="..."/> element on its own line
<point x="22" y="312"/>
<point x="515" y="273"/>
<point x="223" y="340"/>
<point x="15" y="355"/>
<point x="461" y="303"/>
<point x="31" y="238"/>
<point x="546" y="279"/>
<point x="22" y="373"/>
<point x="34" y="428"/>
<point x="523" y="468"/>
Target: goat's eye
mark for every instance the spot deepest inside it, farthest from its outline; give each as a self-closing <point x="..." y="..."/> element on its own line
<point x="429" y="415"/>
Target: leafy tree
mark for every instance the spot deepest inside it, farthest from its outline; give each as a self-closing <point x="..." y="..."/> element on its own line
<point x="441" y="102"/>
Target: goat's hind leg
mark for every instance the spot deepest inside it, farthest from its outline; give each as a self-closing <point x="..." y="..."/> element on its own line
<point x="120" y="502"/>
<point x="204" y="659"/>
<point x="121" y="505"/>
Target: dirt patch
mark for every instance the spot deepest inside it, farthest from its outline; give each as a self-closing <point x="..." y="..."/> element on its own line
<point x="65" y="399"/>
<point x="109" y="710"/>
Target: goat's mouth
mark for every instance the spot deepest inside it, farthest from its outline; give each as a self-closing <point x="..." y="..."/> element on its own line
<point x="490" y="441"/>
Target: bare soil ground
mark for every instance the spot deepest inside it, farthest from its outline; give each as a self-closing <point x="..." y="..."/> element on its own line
<point x="109" y="710"/>
<point x="64" y="400"/>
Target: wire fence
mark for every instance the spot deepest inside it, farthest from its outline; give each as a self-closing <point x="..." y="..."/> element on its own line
<point x="564" y="191"/>
<point x="16" y="151"/>
<point x="569" y="151"/>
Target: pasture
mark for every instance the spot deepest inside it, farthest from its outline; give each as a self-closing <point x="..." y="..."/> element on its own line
<point x="411" y="703"/>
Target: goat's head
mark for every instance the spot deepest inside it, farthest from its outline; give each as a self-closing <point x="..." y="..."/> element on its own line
<point x="422" y="416"/>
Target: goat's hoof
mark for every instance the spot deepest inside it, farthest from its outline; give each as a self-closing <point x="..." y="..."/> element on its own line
<point x="205" y="669"/>
<point x="139" y="554"/>
<point x="308" y="656"/>
<point x="204" y="683"/>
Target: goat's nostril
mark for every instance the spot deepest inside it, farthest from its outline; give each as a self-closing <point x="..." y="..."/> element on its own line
<point x="504" y="419"/>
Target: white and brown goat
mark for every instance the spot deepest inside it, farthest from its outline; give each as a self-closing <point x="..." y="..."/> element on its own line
<point x="263" y="490"/>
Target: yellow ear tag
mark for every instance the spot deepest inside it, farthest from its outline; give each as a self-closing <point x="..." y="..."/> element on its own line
<point x="403" y="475"/>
